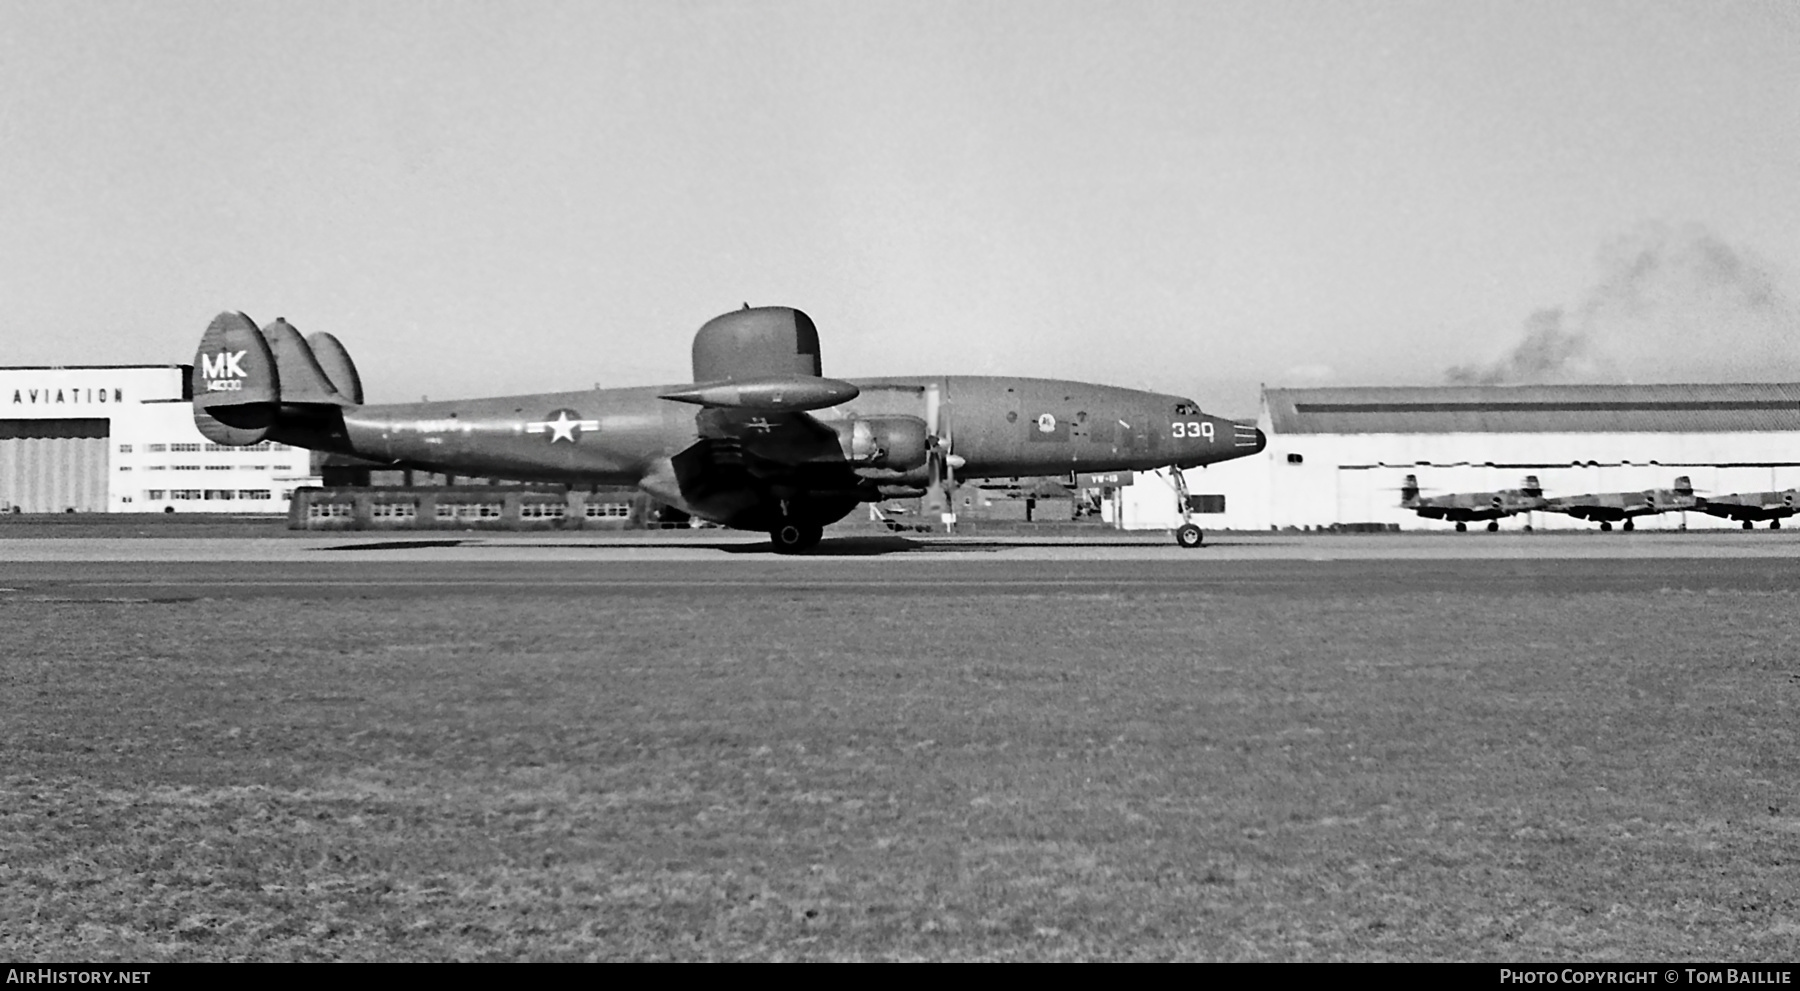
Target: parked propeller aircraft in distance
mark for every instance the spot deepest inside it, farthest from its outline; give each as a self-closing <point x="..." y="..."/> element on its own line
<point x="1749" y="507"/>
<point x="774" y="445"/>
<point x="1463" y="508"/>
<point x="1612" y="507"/>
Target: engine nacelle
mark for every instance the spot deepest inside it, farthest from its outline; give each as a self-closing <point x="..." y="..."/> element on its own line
<point x="896" y="443"/>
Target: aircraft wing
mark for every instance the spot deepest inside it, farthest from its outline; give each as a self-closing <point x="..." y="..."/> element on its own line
<point x="744" y="458"/>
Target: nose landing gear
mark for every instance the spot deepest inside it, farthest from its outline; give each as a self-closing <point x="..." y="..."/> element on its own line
<point x="1187" y="534"/>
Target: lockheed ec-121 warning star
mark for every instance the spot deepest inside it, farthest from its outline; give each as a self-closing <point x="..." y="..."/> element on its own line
<point x="1613" y="507"/>
<point x="774" y="445"/>
<point x="1463" y="508"/>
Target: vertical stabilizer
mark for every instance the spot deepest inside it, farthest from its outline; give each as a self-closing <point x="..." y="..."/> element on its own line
<point x="302" y="380"/>
<point x="1683" y="486"/>
<point x="1409" y="490"/>
<point x="237" y="390"/>
<point x="336" y="363"/>
<point x="1531" y="488"/>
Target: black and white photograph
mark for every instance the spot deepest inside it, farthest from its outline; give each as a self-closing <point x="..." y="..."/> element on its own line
<point x="1209" y="481"/>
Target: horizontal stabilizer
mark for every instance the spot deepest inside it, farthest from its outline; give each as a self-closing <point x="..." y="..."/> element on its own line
<point x="783" y="394"/>
<point x="302" y="380"/>
<point x="237" y="389"/>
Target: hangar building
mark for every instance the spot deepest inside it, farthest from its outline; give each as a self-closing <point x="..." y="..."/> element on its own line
<point x="121" y="439"/>
<point x="1340" y="456"/>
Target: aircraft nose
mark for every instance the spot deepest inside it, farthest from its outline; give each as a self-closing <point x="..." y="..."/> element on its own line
<point x="1246" y="439"/>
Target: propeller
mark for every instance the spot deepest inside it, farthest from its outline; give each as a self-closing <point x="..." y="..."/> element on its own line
<point x="941" y="460"/>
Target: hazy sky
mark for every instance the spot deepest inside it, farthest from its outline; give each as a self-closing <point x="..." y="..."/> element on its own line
<point x="1198" y="197"/>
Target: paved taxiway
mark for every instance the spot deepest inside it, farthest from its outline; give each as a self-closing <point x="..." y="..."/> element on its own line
<point x="722" y="547"/>
<point x="381" y="566"/>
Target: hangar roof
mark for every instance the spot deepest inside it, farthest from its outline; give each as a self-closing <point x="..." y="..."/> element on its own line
<point x="1534" y="409"/>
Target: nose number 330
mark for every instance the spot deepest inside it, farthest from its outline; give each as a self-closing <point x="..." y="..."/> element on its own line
<point x="1192" y="428"/>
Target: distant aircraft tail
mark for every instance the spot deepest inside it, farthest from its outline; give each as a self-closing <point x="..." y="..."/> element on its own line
<point x="1683" y="486"/>
<point x="1531" y="488"/>
<point x="1409" y="490"/>
<point x="242" y="377"/>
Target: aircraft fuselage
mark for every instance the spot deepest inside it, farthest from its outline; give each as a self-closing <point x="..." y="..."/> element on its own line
<point x="1002" y="427"/>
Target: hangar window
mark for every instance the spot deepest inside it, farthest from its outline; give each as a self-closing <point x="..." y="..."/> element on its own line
<point x="258" y="494"/>
<point x="329" y="510"/>
<point x="185" y="494"/>
<point x="124" y="467"/>
<point x="154" y="495"/>
<point x="184" y="447"/>
<point x="220" y="495"/>
<point x="124" y="448"/>
<point x="157" y="448"/>
<point x="218" y="467"/>
<point x="1295" y="459"/>
<point x="606" y="510"/>
<point x="394" y="510"/>
<point x="543" y="510"/>
<point x="187" y="468"/>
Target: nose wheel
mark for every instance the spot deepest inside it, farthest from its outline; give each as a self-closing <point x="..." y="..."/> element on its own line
<point x="1187" y="534"/>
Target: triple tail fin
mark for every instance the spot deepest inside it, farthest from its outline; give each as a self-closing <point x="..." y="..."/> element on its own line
<point x="242" y="377"/>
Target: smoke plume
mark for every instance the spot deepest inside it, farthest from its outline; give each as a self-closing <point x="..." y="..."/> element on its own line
<point x="1673" y="304"/>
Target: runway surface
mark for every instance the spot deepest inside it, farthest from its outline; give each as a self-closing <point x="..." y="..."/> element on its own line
<point x="383" y="566"/>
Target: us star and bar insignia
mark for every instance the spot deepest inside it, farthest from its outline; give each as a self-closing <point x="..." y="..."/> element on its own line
<point x="562" y="424"/>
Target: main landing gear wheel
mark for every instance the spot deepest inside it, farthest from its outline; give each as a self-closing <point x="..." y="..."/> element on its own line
<point x="1462" y="528"/>
<point x="792" y="538"/>
<point x="1628" y="525"/>
<point x="1774" y="524"/>
<point x="1189" y="535"/>
<point x="1605" y="525"/>
<point x="1493" y="526"/>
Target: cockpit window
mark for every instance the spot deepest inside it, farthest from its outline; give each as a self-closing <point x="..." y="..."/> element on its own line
<point x="1186" y="409"/>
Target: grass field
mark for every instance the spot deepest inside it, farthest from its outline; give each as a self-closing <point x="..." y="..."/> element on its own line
<point x="1425" y="775"/>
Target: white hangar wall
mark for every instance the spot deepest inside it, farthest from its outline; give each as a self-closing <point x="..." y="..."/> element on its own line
<point x="1350" y="479"/>
<point x="121" y="439"/>
<point x="1339" y="456"/>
